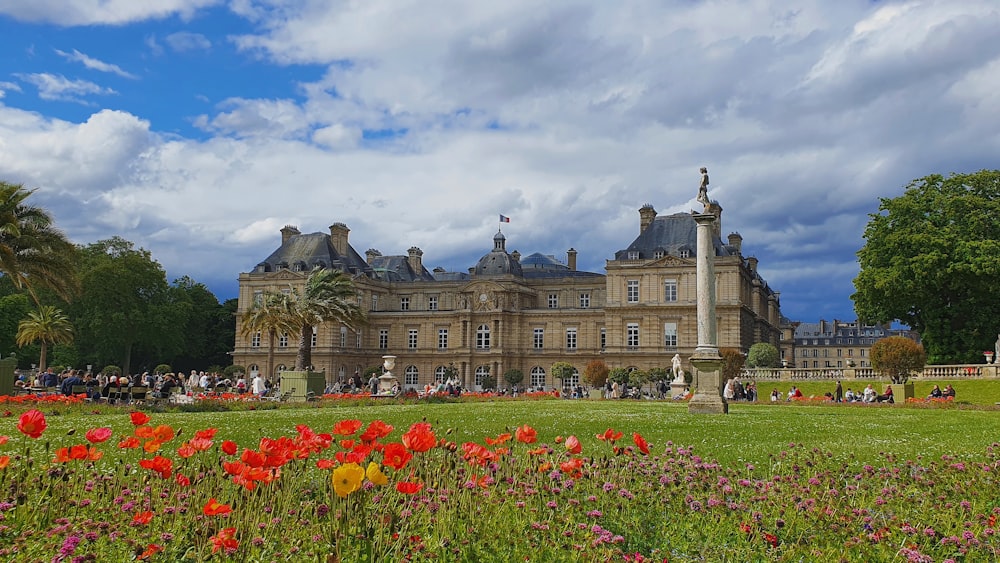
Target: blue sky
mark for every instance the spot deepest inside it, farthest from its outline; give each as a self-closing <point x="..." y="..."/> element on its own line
<point x="198" y="128"/>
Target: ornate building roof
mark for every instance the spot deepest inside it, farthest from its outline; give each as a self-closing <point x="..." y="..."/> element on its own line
<point x="300" y="252"/>
<point x="673" y="235"/>
<point x="498" y="262"/>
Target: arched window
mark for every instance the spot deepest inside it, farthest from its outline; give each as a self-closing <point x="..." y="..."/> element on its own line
<point x="439" y="373"/>
<point x="481" y="373"/>
<point x="253" y="369"/>
<point x="279" y="369"/>
<point x="538" y="377"/>
<point x="411" y="375"/>
<point x="483" y="337"/>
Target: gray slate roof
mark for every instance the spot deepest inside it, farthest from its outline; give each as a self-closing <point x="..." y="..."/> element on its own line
<point x="398" y="269"/>
<point x="671" y="234"/>
<point x="305" y="252"/>
<point x="539" y="265"/>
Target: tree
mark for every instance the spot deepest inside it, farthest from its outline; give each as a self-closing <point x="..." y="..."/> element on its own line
<point x="33" y="253"/>
<point x="270" y="315"/>
<point x="562" y="371"/>
<point x="210" y="329"/>
<point x="595" y="373"/>
<point x="763" y="355"/>
<point x="732" y="362"/>
<point x="896" y="357"/>
<point x="619" y="375"/>
<point x="329" y="295"/>
<point x="513" y="377"/>
<point x="126" y="308"/>
<point x="13" y="308"/>
<point x="931" y="259"/>
<point x="47" y="325"/>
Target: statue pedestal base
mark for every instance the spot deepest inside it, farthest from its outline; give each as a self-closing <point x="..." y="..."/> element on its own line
<point x="677" y="389"/>
<point x="707" y="397"/>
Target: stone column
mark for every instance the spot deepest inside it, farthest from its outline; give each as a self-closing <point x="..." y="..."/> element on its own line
<point x="707" y="397"/>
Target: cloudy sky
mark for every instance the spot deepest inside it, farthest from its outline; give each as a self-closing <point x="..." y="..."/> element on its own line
<point x="198" y="128"/>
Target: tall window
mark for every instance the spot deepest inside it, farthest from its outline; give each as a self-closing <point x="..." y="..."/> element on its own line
<point x="481" y="373"/>
<point x="439" y="373"/>
<point x="255" y="340"/>
<point x="442" y="339"/>
<point x="604" y="338"/>
<point x="283" y="340"/>
<point x="632" y="291"/>
<point x="432" y="303"/>
<point x="553" y="301"/>
<point x="670" y="291"/>
<point x="315" y="336"/>
<point x="571" y="339"/>
<point x="411" y="339"/>
<point x="670" y="336"/>
<point x="539" y="338"/>
<point x="537" y="377"/>
<point x="358" y="339"/>
<point x="374" y="302"/>
<point x="584" y="300"/>
<point x="632" y="335"/>
<point x="383" y="339"/>
<point x="343" y="337"/>
<point x="483" y="337"/>
<point x="404" y="303"/>
<point x="411" y="376"/>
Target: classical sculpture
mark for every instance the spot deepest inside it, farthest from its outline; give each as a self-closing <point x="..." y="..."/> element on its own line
<point x="996" y="348"/>
<point x="676" y="369"/>
<point x="703" y="190"/>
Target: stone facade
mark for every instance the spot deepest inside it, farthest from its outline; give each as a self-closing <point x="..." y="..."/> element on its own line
<point x="513" y="312"/>
<point x="838" y="344"/>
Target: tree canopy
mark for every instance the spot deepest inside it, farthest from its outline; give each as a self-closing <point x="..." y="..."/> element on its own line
<point x="896" y="357"/>
<point x="931" y="259"/>
<point x="47" y="325"/>
<point x="763" y="355"/>
<point x="329" y="295"/>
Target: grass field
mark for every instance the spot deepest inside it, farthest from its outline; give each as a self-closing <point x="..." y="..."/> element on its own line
<point x="749" y="433"/>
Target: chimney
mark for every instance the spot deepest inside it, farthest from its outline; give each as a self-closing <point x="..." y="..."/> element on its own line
<point x="736" y="241"/>
<point x="371" y="254"/>
<point x="287" y="232"/>
<point x="571" y="258"/>
<point x="414" y="258"/>
<point x="646" y="216"/>
<point x="715" y="209"/>
<point x="752" y="264"/>
<point x="516" y="256"/>
<point x="338" y="238"/>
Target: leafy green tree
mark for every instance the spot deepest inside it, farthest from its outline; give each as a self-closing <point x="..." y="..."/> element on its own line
<point x="763" y="355"/>
<point x="14" y="308"/>
<point x="270" y="315"/>
<point x="46" y="326"/>
<point x="896" y="357"/>
<point x="562" y="371"/>
<point x="33" y="253"/>
<point x="619" y="375"/>
<point x="328" y="295"/>
<point x="162" y="369"/>
<point x="489" y="382"/>
<point x="126" y="308"/>
<point x="931" y="260"/>
<point x="595" y="373"/>
<point x="513" y="377"/>
<point x="210" y="329"/>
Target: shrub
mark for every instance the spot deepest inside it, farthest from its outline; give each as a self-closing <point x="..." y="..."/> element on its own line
<point x="562" y="371"/>
<point x="596" y="373"/>
<point x="732" y="362"/>
<point x="763" y="355"/>
<point x="896" y="357"/>
<point x="234" y="369"/>
<point x="162" y="369"/>
<point x="111" y="370"/>
<point x="513" y="377"/>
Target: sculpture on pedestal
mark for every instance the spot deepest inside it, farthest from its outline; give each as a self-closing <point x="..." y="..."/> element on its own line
<point x="703" y="189"/>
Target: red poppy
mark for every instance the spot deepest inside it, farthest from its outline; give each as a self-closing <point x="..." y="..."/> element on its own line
<point x="98" y="435"/>
<point x="409" y="487"/>
<point x="216" y="508"/>
<point x="158" y="464"/>
<point x="185" y="451"/>
<point x="346" y="427"/>
<point x="129" y="443"/>
<point x="771" y="539"/>
<point x="225" y="540"/>
<point x="78" y="451"/>
<point x="142" y="518"/>
<point x="62" y="456"/>
<point x="376" y="430"/>
<point x="182" y="480"/>
<point x="151" y="550"/>
<point x="325" y="464"/>
<point x="163" y="433"/>
<point x="420" y="437"/>
<point x="4" y="461"/>
<point x="641" y="443"/>
<point x="573" y="445"/>
<point x="32" y="424"/>
<point x="229" y="447"/>
<point x="139" y="418"/>
<point x="501" y="439"/>
<point x="206" y="434"/>
<point x="200" y="443"/>
<point x="526" y="434"/>
<point x="609" y="435"/>
<point x="572" y="466"/>
<point x="4" y="439"/>
<point x="396" y="456"/>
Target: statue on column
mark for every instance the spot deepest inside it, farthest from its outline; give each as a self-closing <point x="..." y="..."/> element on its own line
<point x="676" y="367"/>
<point x="703" y="189"/>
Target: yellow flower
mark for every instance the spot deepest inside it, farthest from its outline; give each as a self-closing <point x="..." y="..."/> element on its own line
<point x="347" y="479"/>
<point x="375" y="475"/>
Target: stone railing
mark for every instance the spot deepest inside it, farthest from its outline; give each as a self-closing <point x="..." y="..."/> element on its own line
<point x="966" y="371"/>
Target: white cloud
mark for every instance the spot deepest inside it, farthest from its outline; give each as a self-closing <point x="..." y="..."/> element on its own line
<point x="11" y="86"/>
<point x="96" y="12"/>
<point x="337" y="136"/>
<point x="95" y="64"/>
<point x="184" y="41"/>
<point x="58" y="87"/>
<point x="272" y="118"/>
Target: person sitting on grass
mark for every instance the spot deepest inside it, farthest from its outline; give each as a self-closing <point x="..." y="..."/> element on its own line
<point x="949" y="392"/>
<point x="885" y="397"/>
<point x="935" y="393"/>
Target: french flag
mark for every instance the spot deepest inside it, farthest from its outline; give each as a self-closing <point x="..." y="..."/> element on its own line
<point x="504" y="219"/>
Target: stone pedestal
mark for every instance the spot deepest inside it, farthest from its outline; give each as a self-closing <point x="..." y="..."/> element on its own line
<point x="707" y="398"/>
<point x="677" y="388"/>
<point x="706" y="360"/>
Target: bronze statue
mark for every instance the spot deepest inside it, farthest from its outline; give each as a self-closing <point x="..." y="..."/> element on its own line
<point x="703" y="190"/>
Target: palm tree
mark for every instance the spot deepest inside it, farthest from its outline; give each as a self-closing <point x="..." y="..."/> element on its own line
<point x="47" y="325"/>
<point x="271" y="315"/>
<point x="33" y="253"/>
<point x="328" y="295"/>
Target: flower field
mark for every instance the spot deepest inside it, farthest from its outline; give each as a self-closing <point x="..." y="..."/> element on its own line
<point x="538" y="481"/>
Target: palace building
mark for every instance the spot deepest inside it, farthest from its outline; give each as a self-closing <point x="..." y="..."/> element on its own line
<point x="516" y="312"/>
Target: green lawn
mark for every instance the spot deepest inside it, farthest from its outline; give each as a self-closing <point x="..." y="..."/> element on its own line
<point x="749" y="433"/>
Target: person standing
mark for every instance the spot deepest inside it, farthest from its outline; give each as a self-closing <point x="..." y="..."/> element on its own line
<point x="257" y="385"/>
<point x="838" y="393"/>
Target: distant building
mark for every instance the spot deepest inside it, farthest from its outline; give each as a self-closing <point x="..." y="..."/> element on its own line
<point x="517" y="312"/>
<point x="837" y="344"/>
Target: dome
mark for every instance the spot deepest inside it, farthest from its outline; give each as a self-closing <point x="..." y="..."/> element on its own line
<point x="498" y="262"/>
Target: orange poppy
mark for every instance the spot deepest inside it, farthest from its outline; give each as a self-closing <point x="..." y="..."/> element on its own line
<point x="419" y="438"/>
<point x="526" y="434"/>
<point x="215" y="508"/>
<point x="409" y="487"/>
<point x="225" y="540"/>
<point x="32" y="424"/>
<point x="139" y="418"/>
<point x="346" y="427"/>
<point x="573" y="445"/>
<point x="640" y="443"/>
<point x="142" y="518"/>
<point x="396" y="456"/>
